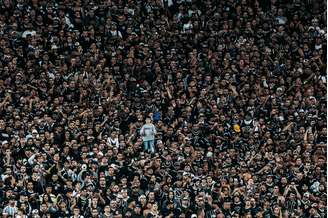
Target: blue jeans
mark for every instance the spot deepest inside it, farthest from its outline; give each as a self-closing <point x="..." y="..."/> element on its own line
<point x="149" y="146"/>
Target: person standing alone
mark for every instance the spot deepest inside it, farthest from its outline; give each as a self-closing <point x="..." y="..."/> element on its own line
<point x="148" y="132"/>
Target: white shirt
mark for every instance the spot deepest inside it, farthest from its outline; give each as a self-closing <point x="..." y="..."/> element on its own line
<point x="27" y="32"/>
<point x="113" y="142"/>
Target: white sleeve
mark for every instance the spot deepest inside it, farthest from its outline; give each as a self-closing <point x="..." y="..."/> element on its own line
<point x="155" y="131"/>
<point x="31" y="159"/>
<point x="142" y="130"/>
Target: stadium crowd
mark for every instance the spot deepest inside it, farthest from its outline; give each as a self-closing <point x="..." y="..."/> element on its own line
<point x="163" y="108"/>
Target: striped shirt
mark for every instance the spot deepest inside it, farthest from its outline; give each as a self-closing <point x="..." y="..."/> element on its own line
<point x="11" y="211"/>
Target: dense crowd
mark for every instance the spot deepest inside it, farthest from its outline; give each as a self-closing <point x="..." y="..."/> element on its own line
<point x="163" y="108"/>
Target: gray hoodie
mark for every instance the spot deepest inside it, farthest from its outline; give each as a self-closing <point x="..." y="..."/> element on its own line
<point x="148" y="132"/>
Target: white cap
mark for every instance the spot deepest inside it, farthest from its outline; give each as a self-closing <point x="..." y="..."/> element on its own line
<point x="28" y="137"/>
<point x="209" y="154"/>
